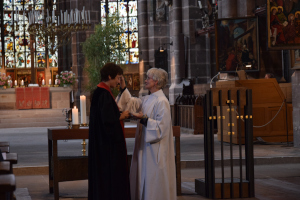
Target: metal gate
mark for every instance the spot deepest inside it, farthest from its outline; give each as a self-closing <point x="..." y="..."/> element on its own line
<point x="237" y="101"/>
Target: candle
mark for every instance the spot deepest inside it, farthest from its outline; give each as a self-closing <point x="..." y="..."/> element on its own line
<point x="16" y="83"/>
<point x="22" y="82"/>
<point x="50" y="81"/>
<point x="200" y="4"/>
<point x="55" y="81"/>
<point x="75" y="115"/>
<point x="43" y="82"/>
<point x="83" y="109"/>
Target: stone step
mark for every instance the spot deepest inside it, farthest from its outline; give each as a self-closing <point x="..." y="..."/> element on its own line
<point x="35" y="113"/>
<point x="35" y="119"/>
<point x="33" y="124"/>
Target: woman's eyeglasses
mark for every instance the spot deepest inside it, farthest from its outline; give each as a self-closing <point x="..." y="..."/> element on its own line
<point x="148" y="78"/>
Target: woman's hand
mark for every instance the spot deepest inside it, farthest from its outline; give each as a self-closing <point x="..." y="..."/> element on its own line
<point x="138" y="115"/>
<point x="124" y="115"/>
<point x="122" y="82"/>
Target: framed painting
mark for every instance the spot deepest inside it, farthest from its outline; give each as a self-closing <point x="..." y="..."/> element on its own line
<point x="237" y="45"/>
<point x="129" y="81"/>
<point x="295" y="58"/>
<point x="283" y="24"/>
<point x="136" y="82"/>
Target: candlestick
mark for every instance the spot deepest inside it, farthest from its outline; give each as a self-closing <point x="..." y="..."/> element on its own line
<point x="75" y="115"/>
<point x="16" y="83"/>
<point x="83" y="109"/>
<point x="50" y="81"/>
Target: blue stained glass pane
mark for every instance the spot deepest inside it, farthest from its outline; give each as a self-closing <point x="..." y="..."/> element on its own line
<point x="9" y="60"/>
<point x="40" y="60"/>
<point x="28" y="59"/>
<point x="132" y="8"/>
<point x="112" y="9"/>
<point x="20" y="58"/>
<point x="122" y="9"/>
<point x="103" y="13"/>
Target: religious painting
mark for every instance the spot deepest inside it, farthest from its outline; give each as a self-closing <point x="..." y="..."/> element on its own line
<point x="283" y="17"/>
<point x="136" y="82"/>
<point x="129" y="81"/>
<point x="295" y="58"/>
<point x="11" y="73"/>
<point x="40" y="76"/>
<point x="237" y="45"/>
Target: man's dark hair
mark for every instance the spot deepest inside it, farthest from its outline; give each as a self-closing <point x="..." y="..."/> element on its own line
<point x="110" y="69"/>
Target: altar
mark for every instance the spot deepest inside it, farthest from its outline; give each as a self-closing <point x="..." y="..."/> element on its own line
<point x="57" y="97"/>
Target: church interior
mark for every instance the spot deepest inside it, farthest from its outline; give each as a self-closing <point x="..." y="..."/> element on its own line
<point x="205" y="46"/>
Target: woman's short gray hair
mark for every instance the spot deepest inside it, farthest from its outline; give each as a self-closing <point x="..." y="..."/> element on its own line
<point x="159" y="75"/>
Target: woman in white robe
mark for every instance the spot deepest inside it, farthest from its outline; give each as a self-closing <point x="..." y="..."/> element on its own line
<point x="152" y="172"/>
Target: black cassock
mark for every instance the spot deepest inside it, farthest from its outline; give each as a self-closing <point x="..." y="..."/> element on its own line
<point x="108" y="169"/>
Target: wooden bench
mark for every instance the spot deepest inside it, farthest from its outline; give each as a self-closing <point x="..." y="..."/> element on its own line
<point x="4" y="167"/>
<point x="7" y="186"/>
<point x="67" y="168"/>
<point x="13" y="159"/>
<point x="4" y="146"/>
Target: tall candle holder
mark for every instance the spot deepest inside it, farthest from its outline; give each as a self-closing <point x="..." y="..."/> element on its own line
<point x="67" y="112"/>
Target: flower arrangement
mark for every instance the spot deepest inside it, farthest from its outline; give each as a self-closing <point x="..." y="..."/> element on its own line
<point x="66" y="78"/>
<point x="3" y="80"/>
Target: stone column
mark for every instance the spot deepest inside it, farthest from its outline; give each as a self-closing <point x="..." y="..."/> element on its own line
<point x="245" y="8"/>
<point x="229" y="8"/>
<point x="220" y="8"/>
<point x="296" y="107"/>
<point x="177" y="53"/>
<point x="143" y="44"/>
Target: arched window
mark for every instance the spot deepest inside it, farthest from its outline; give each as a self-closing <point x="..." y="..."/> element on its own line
<point x="16" y="38"/>
<point x="127" y="11"/>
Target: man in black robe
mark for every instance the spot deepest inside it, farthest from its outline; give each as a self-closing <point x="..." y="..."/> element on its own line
<point x="108" y="169"/>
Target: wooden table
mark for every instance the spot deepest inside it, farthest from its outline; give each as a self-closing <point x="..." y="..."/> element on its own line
<point x="67" y="168"/>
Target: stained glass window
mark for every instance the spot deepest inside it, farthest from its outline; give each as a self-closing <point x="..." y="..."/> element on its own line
<point x="127" y="11"/>
<point x="16" y="37"/>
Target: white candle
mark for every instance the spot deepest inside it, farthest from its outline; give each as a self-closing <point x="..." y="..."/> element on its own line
<point x="75" y="115"/>
<point x="22" y="82"/>
<point x="83" y="109"/>
<point x="55" y="81"/>
<point x="200" y="4"/>
<point x="50" y="81"/>
<point x="16" y="83"/>
<point x="43" y="82"/>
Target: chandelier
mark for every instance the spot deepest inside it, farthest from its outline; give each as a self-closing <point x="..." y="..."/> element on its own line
<point x="55" y="31"/>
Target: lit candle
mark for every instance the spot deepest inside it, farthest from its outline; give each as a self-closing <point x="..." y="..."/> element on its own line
<point x="43" y="82"/>
<point x="16" y="83"/>
<point x="83" y="109"/>
<point x="50" y="81"/>
<point x="75" y="115"/>
<point x="200" y="4"/>
<point x="22" y="82"/>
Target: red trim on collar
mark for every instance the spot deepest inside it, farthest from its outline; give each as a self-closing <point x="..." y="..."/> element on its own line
<point x="104" y="86"/>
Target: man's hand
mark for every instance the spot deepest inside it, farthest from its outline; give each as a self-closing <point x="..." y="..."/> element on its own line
<point x="124" y="115"/>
